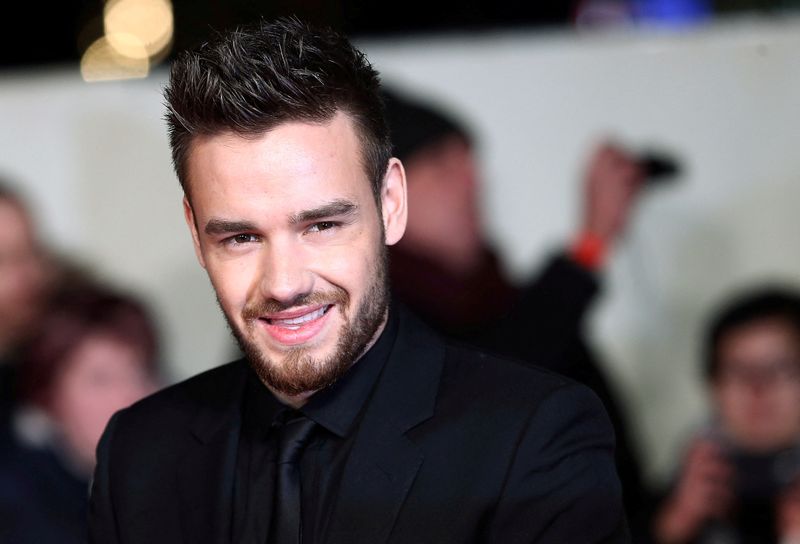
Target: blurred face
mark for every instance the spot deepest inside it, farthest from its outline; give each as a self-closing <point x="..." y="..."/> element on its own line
<point x="22" y="273"/>
<point x="287" y="227"/>
<point x="757" y="391"/>
<point x="102" y="375"/>
<point x="442" y="194"/>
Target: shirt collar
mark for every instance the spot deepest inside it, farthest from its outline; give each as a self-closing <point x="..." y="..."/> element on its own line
<point x="336" y="407"/>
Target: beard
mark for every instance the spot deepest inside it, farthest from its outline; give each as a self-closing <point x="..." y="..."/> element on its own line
<point x="298" y="371"/>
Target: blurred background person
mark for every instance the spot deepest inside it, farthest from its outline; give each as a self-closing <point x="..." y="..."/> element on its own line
<point x="446" y="270"/>
<point x="740" y="479"/>
<point x="24" y="282"/>
<point x="94" y="353"/>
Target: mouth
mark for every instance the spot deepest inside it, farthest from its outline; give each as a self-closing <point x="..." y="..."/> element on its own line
<point x="293" y="327"/>
<point x="295" y="320"/>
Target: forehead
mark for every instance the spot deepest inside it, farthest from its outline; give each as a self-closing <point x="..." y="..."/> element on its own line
<point x="762" y="339"/>
<point x="294" y="163"/>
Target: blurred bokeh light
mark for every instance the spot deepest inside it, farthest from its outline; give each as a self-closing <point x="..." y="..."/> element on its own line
<point x="64" y="29"/>
<point x="103" y="62"/>
<point x="137" y="35"/>
<point x="129" y="24"/>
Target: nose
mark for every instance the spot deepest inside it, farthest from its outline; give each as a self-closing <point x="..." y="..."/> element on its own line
<point x="285" y="275"/>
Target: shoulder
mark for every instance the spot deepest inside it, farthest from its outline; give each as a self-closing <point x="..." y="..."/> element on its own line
<point x="511" y="383"/>
<point x="475" y="377"/>
<point x="217" y="389"/>
<point x="554" y="439"/>
<point x="475" y="388"/>
<point x="209" y="386"/>
<point x="467" y="359"/>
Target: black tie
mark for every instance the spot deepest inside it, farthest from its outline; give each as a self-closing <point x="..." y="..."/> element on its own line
<point x="286" y="519"/>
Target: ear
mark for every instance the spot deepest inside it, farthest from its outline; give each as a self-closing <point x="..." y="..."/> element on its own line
<point x="394" y="202"/>
<point x="188" y="215"/>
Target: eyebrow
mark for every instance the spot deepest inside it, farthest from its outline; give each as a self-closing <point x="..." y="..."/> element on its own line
<point x="336" y="208"/>
<point x="221" y="226"/>
<point x="339" y="207"/>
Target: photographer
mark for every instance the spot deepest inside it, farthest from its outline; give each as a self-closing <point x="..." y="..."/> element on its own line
<point x="740" y="480"/>
<point x="448" y="272"/>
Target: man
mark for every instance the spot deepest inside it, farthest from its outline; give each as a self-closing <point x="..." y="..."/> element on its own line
<point x="23" y="287"/>
<point x="349" y="421"/>
<point x="448" y="273"/>
<point x="740" y="480"/>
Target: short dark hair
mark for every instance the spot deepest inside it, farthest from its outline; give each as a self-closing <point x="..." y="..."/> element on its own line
<point x="267" y="73"/>
<point x="773" y="302"/>
<point x="72" y="316"/>
<point x="417" y="126"/>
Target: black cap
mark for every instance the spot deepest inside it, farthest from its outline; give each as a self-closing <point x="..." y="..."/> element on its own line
<point x="414" y="125"/>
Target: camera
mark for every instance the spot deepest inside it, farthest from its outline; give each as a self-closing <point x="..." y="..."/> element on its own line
<point x="659" y="166"/>
<point x="762" y="477"/>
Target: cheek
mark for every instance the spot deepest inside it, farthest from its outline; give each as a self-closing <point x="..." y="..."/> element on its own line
<point x="232" y="281"/>
<point x="342" y="266"/>
<point x="352" y="267"/>
<point x="738" y="408"/>
<point x="728" y="403"/>
<point x="348" y="262"/>
<point x="83" y="412"/>
<point x="787" y="402"/>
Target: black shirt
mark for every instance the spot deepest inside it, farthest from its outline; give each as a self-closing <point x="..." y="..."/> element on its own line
<point x="336" y="411"/>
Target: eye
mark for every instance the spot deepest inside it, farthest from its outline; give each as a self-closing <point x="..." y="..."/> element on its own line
<point x="240" y="239"/>
<point x="322" y="225"/>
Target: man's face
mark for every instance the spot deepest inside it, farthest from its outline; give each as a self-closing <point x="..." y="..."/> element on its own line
<point x="443" y="196"/>
<point x="287" y="227"/>
<point x="757" y="390"/>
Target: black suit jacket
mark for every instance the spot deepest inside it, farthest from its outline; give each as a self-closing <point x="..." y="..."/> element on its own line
<point x="454" y="446"/>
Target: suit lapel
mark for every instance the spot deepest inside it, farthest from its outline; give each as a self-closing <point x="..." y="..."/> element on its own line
<point x="206" y="473"/>
<point x="384" y="461"/>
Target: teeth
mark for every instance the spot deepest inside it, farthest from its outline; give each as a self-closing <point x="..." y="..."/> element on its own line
<point x="296" y="321"/>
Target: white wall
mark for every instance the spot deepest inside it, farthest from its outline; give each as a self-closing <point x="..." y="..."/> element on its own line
<point x="95" y="160"/>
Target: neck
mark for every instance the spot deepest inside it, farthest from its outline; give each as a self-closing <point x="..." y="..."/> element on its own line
<point x="293" y="401"/>
<point x="299" y="400"/>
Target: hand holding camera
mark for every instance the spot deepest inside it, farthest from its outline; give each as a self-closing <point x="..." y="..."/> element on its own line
<point x="788" y="513"/>
<point x="704" y="491"/>
<point x="719" y="484"/>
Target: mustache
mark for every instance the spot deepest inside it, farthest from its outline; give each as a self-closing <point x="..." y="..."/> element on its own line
<point x="256" y="308"/>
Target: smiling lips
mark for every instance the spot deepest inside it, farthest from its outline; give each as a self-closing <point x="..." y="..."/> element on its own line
<point x="296" y="326"/>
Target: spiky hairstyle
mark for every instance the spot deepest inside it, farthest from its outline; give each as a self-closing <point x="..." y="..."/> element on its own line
<point x="262" y="75"/>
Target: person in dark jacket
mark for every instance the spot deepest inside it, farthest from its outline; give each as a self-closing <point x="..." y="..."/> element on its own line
<point x="93" y="353"/>
<point x="739" y="481"/>
<point x="449" y="274"/>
